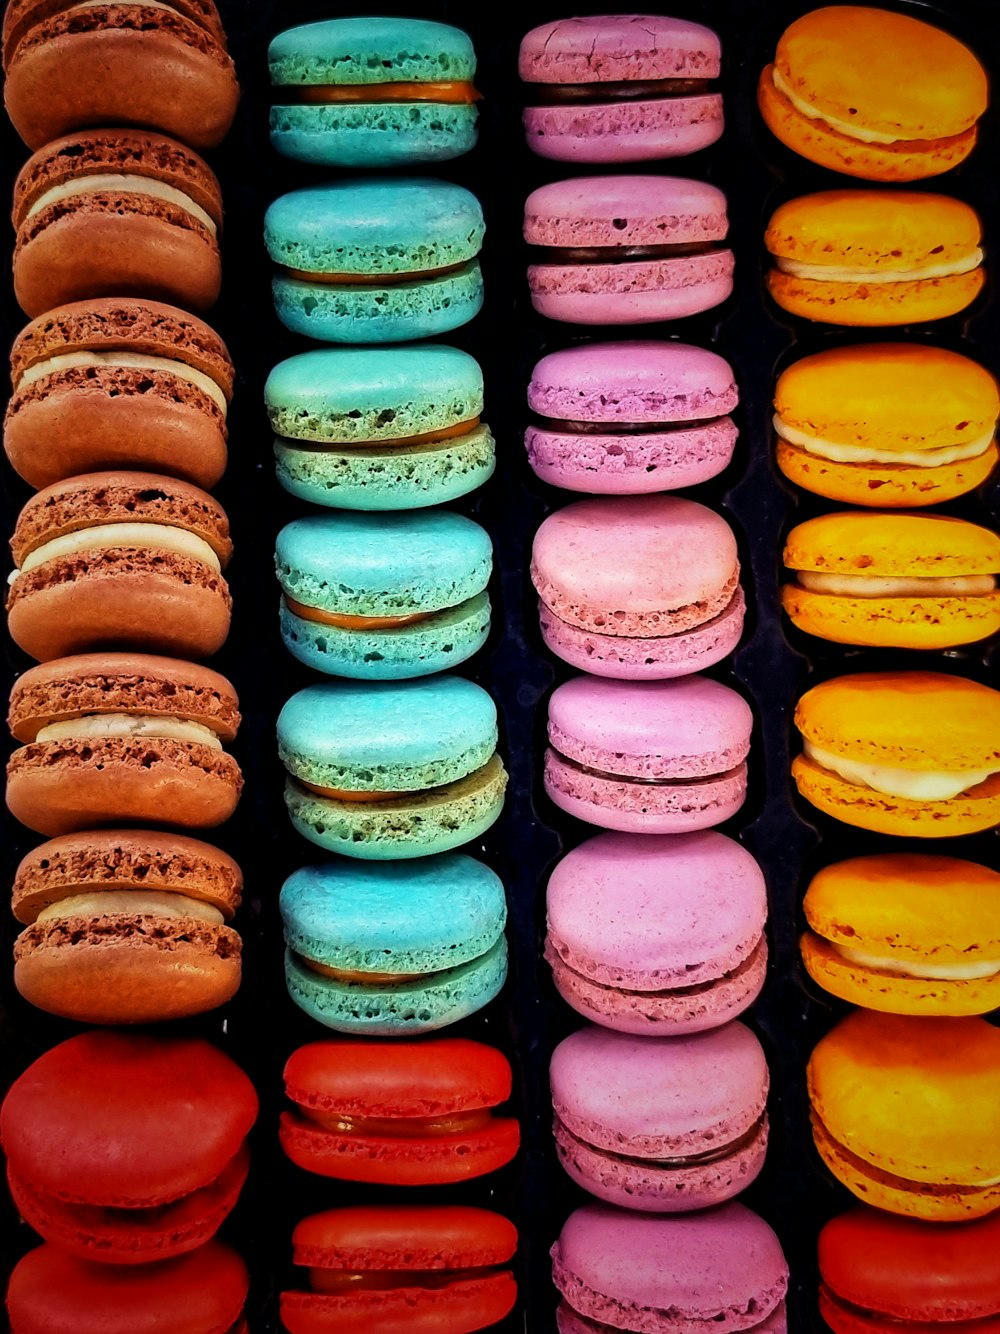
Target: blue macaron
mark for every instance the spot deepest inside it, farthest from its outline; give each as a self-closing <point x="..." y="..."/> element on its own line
<point x="380" y="597"/>
<point x="394" y="947"/>
<point x="380" y="260"/>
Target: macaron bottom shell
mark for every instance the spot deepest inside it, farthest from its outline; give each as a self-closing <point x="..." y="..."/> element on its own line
<point x="450" y="1306"/>
<point x="631" y="292"/>
<point x="569" y="1321"/>
<point x="373" y="134"/>
<point x="629" y="131"/>
<point x="884" y="485"/>
<point x="633" y="463"/>
<point x="875" y="305"/>
<point x="894" y="622"/>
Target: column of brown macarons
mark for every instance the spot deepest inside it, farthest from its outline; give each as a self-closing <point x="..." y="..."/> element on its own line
<point x="117" y="422"/>
<point x="893" y="411"/>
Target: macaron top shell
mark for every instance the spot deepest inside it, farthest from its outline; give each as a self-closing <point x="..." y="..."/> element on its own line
<point x="624" y="211"/>
<point x="367" y="51"/>
<point x="920" y="545"/>
<point x="22" y="15"/>
<point x="399" y="1237"/>
<point x="618" y="48"/>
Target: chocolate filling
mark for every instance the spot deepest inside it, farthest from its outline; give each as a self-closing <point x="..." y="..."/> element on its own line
<point x="646" y="782"/>
<point x="695" y="989"/>
<point x="713" y="1155"/>
<point x="623" y="90"/>
<point x="563" y="424"/>
<point x="617" y="254"/>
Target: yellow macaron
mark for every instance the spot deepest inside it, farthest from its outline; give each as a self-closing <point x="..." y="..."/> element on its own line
<point x="874" y="258"/>
<point x="893" y="425"/>
<point x="873" y="93"/>
<point x="908" y="753"/>
<point x="906" y="933"/>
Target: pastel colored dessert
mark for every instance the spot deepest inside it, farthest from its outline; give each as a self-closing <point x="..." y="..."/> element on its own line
<point x="373" y="92"/>
<point x="201" y="1292"/>
<point x="907" y="753"/>
<point x="410" y="1112"/>
<point x="126" y="926"/>
<point x="118" y="382"/>
<point x="124" y="1148"/>
<point x="122" y="738"/>
<point x="391" y="769"/>
<point x="620" y="88"/>
<point x="393" y="948"/>
<point x="668" y="260"/>
<point x="631" y="417"/>
<point x="879" y="1271"/>
<point x="381" y="1268"/>
<point x="874" y="258"/>
<point x="887" y="424"/>
<point x="376" y="261"/>
<point x="649" y="757"/>
<point x="379" y="428"/>
<point x="662" y="1125"/>
<point x="940" y="1161"/>
<point x="639" y="588"/>
<point x="719" y="1269"/>
<point x="384" y="596"/>
<point x="873" y="93"/>
<point x="124" y="560"/>
<point x="657" y="934"/>
<point x="906" y="934"/>
<point x="913" y="581"/>
<point x="145" y="211"/>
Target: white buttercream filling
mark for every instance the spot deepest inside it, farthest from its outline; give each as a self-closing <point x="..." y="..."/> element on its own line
<point x="151" y="536"/>
<point x="844" y="273"/>
<point x="122" y="183"/>
<point x="150" y="903"/>
<point x="66" y="361"/>
<point x="920" y="458"/>
<point x="138" y="4"/>
<point x="930" y="972"/>
<point x="877" y="586"/>
<point x="842" y="126"/>
<point x="96" y="726"/>
<point x="916" y="784"/>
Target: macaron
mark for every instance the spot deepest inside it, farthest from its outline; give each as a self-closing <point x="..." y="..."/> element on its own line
<point x="392" y="948"/>
<point x="648" y="757"/>
<point x="719" y="1269"/>
<point x="391" y="769"/>
<point x="874" y="258"/>
<point x="657" y="934"/>
<point x="627" y="249"/>
<point x="124" y="560"/>
<point x="873" y="93"/>
<point x="914" y="581"/>
<point x="410" y="1112"/>
<point x="906" y="1113"/>
<point x="381" y="260"/>
<point x="126" y="926"/>
<point x="887" y="424"/>
<point x="381" y="1268"/>
<point x="118" y="382"/>
<point x="373" y="92"/>
<point x="880" y="1271"/>
<point x="906" y="934"/>
<point x="620" y="88"/>
<point x="639" y="588"/>
<point x="124" y="213"/>
<point x="662" y="1125"/>
<point x="122" y="738"/>
<point x="631" y="417"/>
<point x="379" y="428"/>
<point x="384" y="596"/>
<point x="907" y="753"/>
<point x="124" y="1148"/>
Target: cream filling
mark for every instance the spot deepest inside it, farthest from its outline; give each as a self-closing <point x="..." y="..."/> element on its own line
<point x="66" y="361"/>
<point x="875" y="586"/>
<point x="129" y="903"/>
<point x="844" y="273"/>
<point x="155" y="536"/>
<point x="920" y="458"/>
<point x="125" y="184"/>
<point x="917" y="785"/>
<point x="144" y="4"/>
<point x="835" y="123"/>
<point x="953" y="972"/>
<point x="96" y="726"/>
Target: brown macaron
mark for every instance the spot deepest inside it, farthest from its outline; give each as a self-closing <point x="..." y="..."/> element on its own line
<point x="118" y="382"/>
<point x="120" y="560"/>
<point x="116" y="212"/>
<point x="126" y="926"/>
<point x="162" y="64"/>
<point x="122" y="738"/>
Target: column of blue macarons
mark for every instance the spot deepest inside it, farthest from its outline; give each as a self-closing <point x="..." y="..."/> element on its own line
<point x="640" y="590"/>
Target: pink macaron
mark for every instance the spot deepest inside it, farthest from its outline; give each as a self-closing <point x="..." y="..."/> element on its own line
<point x="630" y="418"/>
<point x="664" y="1125"/>
<point x="720" y="1270"/>
<point x="640" y="587"/>
<point x="658" y="934"/>
<point x="627" y="249"/>
<point x="620" y="88"/>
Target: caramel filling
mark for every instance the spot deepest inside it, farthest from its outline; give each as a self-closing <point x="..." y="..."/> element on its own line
<point x="345" y="794"/>
<point x="424" y="438"/>
<point x="620" y="90"/>
<point x="401" y="1127"/>
<point x="456" y="91"/>
<point x="378" y="1280"/>
<point x="371" y="279"/>
<point x="342" y="621"/>
<point x="352" y="975"/>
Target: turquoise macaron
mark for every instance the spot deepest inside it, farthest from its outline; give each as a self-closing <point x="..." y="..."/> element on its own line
<point x="381" y="770"/>
<point x="380" y="597"/>
<point x="391" y="948"/>
<point x="378" y="260"/>
<point x="373" y="92"/>
<point x="379" y="428"/>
